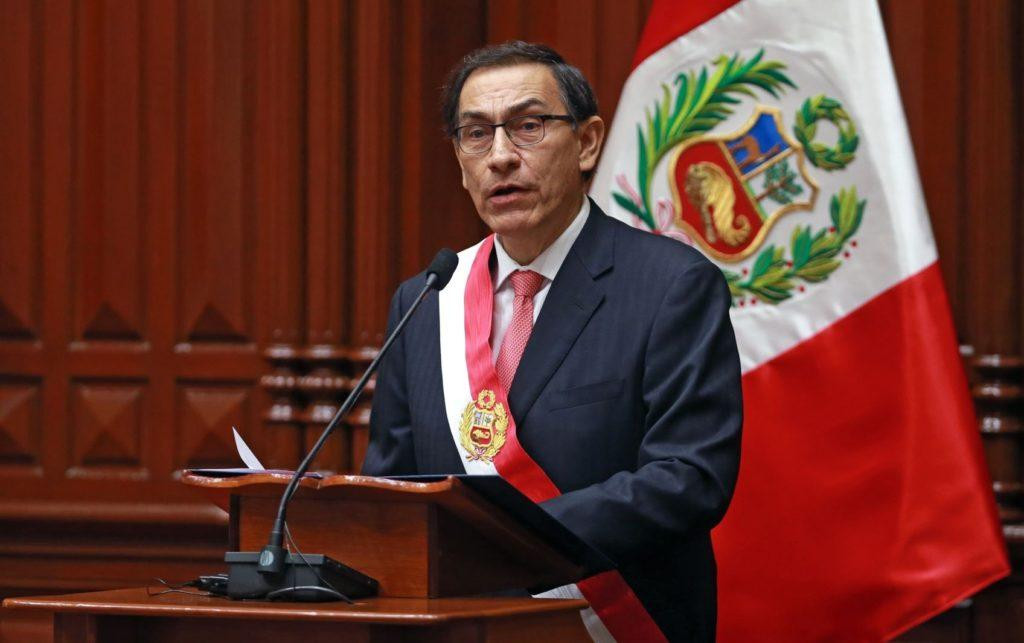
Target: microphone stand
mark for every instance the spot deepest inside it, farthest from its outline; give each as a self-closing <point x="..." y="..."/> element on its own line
<point x="273" y="572"/>
<point x="271" y="559"/>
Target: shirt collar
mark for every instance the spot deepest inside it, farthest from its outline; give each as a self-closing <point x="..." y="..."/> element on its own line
<point x="550" y="260"/>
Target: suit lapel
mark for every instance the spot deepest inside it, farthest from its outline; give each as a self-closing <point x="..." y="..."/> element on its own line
<point x="574" y="296"/>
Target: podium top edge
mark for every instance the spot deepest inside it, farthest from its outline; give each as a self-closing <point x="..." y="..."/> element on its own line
<point x="339" y="480"/>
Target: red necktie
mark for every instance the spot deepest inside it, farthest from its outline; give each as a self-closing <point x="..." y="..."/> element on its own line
<point x="525" y="284"/>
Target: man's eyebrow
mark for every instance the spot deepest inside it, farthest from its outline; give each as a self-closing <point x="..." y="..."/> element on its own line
<point x="472" y="115"/>
<point x="525" y="104"/>
<point x="514" y="109"/>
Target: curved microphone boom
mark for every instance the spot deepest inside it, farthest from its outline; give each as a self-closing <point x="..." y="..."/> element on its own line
<point x="272" y="558"/>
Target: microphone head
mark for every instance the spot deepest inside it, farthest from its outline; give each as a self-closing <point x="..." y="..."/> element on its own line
<point x="443" y="267"/>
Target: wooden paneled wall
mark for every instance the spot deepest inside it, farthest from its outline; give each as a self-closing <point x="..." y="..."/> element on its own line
<point x="205" y="206"/>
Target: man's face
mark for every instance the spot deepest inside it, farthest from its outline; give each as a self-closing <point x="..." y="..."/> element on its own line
<point x="524" y="191"/>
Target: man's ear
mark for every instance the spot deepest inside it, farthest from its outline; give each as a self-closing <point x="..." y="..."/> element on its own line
<point x="591" y="133"/>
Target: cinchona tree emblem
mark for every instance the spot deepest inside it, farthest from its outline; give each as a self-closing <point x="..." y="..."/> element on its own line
<point x="728" y="189"/>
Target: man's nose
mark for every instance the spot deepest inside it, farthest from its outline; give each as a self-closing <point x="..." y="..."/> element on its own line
<point x="503" y="154"/>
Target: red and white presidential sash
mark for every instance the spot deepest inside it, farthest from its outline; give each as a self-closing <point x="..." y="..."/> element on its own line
<point x="484" y="432"/>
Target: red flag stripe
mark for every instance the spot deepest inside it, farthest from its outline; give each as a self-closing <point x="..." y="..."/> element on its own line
<point x="670" y="19"/>
<point x="872" y="469"/>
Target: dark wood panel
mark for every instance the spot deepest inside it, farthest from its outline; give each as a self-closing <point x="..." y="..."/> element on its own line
<point x="21" y="430"/>
<point x="413" y="125"/>
<point x="435" y="211"/>
<point x="55" y="554"/>
<point x="216" y="226"/>
<point x="953" y="626"/>
<point x="89" y="413"/>
<point x="107" y="222"/>
<point x="618" y="31"/>
<point x="19" y="155"/>
<point x="992" y="142"/>
<point x="999" y="613"/>
<point x="55" y="181"/>
<point x="273" y="269"/>
<point x="375" y="141"/>
<point x="206" y="414"/>
<point x="598" y="36"/>
<point x="927" y="48"/>
<point x="107" y="431"/>
<point x="1016" y="174"/>
<point x="328" y="186"/>
<point x="161" y="52"/>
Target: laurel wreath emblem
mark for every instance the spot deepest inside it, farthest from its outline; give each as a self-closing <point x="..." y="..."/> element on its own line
<point x="827" y="158"/>
<point x="772" y="277"/>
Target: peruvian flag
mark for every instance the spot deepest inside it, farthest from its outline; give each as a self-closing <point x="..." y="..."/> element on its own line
<point x="769" y="135"/>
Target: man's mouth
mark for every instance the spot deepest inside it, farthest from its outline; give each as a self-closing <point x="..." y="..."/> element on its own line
<point x="506" y="190"/>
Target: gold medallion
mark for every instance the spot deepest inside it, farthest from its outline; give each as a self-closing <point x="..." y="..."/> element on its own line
<point x="483" y="426"/>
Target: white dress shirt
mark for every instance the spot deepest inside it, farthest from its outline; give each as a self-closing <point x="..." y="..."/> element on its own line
<point x="547" y="264"/>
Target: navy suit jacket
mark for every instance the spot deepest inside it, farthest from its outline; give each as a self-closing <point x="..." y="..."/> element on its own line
<point x="627" y="395"/>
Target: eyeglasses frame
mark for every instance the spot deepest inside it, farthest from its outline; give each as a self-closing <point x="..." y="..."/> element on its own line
<point x="544" y="118"/>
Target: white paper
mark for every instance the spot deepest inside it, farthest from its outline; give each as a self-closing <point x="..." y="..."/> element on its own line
<point x="244" y="452"/>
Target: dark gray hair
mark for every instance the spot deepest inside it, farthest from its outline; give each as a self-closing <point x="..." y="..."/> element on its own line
<point x="573" y="88"/>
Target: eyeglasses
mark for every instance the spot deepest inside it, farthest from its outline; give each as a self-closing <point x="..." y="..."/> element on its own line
<point x="523" y="131"/>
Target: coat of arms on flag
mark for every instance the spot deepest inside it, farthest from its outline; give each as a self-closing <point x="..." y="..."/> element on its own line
<point x="728" y="189"/>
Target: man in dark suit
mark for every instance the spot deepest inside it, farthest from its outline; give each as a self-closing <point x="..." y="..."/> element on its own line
<point x="610" y="348"/>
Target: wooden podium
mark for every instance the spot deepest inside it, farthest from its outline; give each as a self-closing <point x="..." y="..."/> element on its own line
<point x="430" y="545"/>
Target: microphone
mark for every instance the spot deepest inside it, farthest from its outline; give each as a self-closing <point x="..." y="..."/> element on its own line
<point x="442" y="268"/>
<point x="271" y="563"/>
